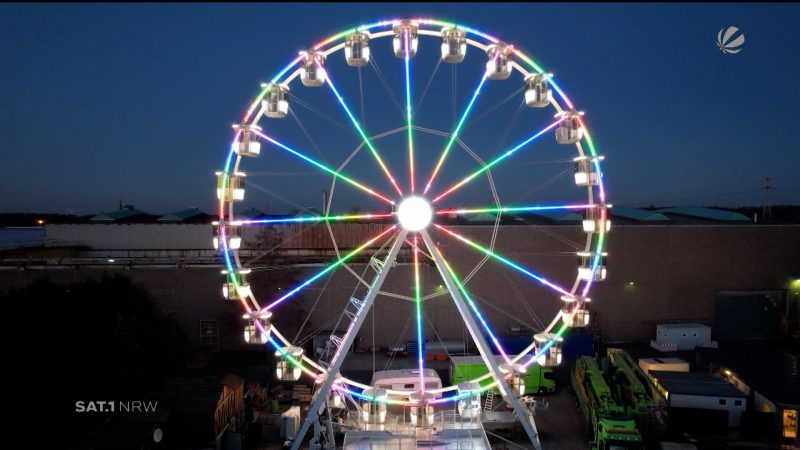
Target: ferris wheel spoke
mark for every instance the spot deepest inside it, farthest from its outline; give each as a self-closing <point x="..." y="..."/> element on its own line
<point x="314" y="219"/>
<point x="323" y="167"/>
<point x="454" y="135"/>
<point x="408" y="116"/>
<point x="328" y="269"/>
<point x="363" y="135"/>
<point x="418" y="306"/>
<point x="505" y="261"/>
<point x="435" y="251"/>
<point x="514" y="209"/>
<point x="497" y="160"/>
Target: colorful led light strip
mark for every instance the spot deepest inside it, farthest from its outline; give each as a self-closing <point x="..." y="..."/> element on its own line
<point x="418" y="301"/>
<point x="504" y="260"/>
<point x="498" y="159"/>
<point x="408" y="111"/>
<point x="315" y="219"/>
<point x="364" y="136"/>
<point x="318" y="164"/>
<point x="328" y="269"/>
<point x="454" y="136"/>
<point x="511" y="209"/>
<point x="474" y="308"/>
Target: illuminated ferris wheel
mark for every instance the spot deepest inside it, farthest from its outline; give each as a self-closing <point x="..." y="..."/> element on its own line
<point x="415" y="207"/>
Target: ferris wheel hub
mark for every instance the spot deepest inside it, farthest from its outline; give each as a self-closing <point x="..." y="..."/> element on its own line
<point x="414" y="213"/>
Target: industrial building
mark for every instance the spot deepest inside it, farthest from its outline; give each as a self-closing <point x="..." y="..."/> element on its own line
<point x="682" y="272"/>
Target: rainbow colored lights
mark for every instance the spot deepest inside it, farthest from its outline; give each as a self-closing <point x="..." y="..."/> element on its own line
<point x="512" y="209"/>
<point x="314" y="219"/>
<point x="328" y="269"/>
<point x="364" y="136"/>
<point x="496" y="160"/>
<point x="418" y="304"/>
<point x="406" y="37"/>
<point x="474" y="308"/>
<point x="504" y="260"/>
<point x="323" y="167"/>
<point x="285" y="75"/>
<point x="454" y="135"/>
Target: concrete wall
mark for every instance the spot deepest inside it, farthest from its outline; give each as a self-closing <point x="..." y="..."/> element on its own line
<point x="676" y="270"/>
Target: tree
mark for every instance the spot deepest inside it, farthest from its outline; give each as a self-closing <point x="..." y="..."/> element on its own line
<point x="93" y="340"/>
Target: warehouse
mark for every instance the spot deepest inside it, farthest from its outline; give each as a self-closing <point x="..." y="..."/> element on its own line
<point x="696" y="390"/>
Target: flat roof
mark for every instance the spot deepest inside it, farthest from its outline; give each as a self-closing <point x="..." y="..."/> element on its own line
<point x="403" y="373"/>
<point x="682" y="325"/>
<point x="664" y="360"/>
<point x="768" y="367"/>
<point x="695" y="383"/>
<point x="474" y="359"/>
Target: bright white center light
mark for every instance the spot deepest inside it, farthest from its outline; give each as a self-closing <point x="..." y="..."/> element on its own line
<point x="414" y="213"/>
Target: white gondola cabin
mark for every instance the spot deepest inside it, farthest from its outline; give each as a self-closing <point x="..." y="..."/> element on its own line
<point x="421" y="413"/>
<point x="230" y="186"/>
<point x="373" y="406"/>
<point x="236" y="286"/>
<point x="585" y="174"/>
<point x="229" y="234"/>
<point x="587" y="262"/>
<point x="454" y="45"/>
<point x="537" y="92"/>
<point x="517" y="382"/>
<point x="548" y="356"/>
<point x="356" y="49"/>
<point x="575" y="312"/>
<point x="469" y="403"/>
<point x="596" y="219"/>
<point x="405" y="39"/>
<point x="312" y="70"/>
<point x="569" y="130"/>
<point x="498" y="67"/>
<point x="288" y="367"/>
<point x="248" y="143"/>
<point x="257" y="327"/>
<point x="275" y="104"/>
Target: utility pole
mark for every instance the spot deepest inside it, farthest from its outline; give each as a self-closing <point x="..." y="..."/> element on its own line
<point x="766" y="209"/>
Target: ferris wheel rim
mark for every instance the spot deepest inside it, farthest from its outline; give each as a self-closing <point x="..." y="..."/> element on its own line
<point x="282" y="78"/>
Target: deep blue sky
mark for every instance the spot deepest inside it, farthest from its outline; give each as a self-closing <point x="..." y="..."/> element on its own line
<point x="101" y="103"/>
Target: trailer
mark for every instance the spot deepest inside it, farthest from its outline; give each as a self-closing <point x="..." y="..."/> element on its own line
<point x="538" y="379"/>
<point x="407" y="379"/>
<point x="606" y="421"/>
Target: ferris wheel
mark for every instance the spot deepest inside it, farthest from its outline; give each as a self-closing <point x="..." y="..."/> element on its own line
<point x="414" y="207"/>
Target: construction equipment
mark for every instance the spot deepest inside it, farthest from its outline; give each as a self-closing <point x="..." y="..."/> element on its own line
<point x="607" y="422"/>
<point x="642" y="400"/>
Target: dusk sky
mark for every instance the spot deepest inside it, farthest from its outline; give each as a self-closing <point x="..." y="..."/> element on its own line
<point x="102" y="103"/>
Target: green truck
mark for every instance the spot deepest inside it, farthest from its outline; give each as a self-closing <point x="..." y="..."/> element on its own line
<point x="607" y="422"/>
<point x="538" y="379"/>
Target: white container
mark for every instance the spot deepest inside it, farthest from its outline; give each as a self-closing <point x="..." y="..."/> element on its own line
<point x="663" y="364"/>
<point x="685" y="336"/>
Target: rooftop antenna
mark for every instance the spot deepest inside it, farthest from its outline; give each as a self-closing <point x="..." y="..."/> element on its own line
<point x="766" y="209"/>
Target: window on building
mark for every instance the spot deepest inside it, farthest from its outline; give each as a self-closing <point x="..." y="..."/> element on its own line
<point x="209" y="334"/>
<point x="737" y="403"/>
<point x="408" y="386"/>
<point x="723" y="402"/>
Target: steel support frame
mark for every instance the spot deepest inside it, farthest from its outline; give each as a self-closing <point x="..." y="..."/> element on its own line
<point x="324" y="390"/>
<point x="523" y="415"/>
